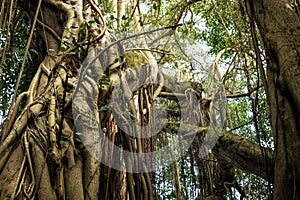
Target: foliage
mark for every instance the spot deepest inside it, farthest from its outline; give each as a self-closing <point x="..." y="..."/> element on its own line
<point x="12" y="48"/>
<point x="216" y="25"/>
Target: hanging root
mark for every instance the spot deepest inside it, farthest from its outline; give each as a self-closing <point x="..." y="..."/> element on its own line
<point x="52" y="132"/>
<point x="13" y="116"/>
<point x="20" y="125"/>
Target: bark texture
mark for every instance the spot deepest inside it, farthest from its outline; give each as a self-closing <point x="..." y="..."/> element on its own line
<point x="41" y="155"/>
<point x="246" y="155"/>
<point x="279" y="25"/>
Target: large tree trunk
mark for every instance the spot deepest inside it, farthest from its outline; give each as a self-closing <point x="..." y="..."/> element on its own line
<point x="42" y="158"/>
<point x="279" y="25"/>
<point x="42" y="154"/>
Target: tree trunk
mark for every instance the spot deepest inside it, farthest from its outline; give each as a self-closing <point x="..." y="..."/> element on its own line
<point x="42" y="156"/>
<point x="279" y="25"/>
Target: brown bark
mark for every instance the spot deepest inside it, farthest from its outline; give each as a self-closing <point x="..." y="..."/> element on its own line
<point x="238" y="151"/>
<point x="44" y="158"/>
<point x="246" y="155"/>
<point x="279" y="25"/>
<point x="56" y="167"/>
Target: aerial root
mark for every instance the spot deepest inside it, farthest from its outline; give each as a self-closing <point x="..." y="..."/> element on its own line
<point x="4" y="156"/>
<point x="73" y="180"/>
<point x="20" y="124"/>
<point x="52" y="132"/>
<point x="13" y="116"/>
<point x="19" y="180"/>
<point x="91" y="176"/>
<point x="12" y="172"/>
<point x="44" y="188"/>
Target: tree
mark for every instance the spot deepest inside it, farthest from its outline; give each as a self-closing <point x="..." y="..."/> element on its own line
<point x="51" y="132"/>
<point x="277" y="23"/>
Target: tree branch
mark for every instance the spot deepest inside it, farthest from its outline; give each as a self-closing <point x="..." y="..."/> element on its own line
<point x="246" y="155"/>
<point x="236" y="150"/>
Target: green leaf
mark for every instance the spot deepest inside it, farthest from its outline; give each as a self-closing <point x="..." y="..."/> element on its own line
<point x="91" y="22"/>
<point x="154" y="6"/>
<point x="141" y="23"/>
<point x="62" y="49"/>
<point x="105" y="107"/>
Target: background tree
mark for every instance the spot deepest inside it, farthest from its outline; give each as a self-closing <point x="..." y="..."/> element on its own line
<point x="45" y="58"/>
